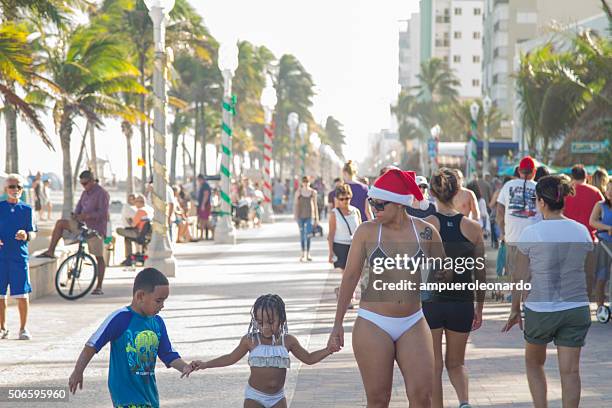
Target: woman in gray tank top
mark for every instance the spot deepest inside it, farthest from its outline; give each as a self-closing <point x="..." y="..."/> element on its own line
<point x="306" y="213"/>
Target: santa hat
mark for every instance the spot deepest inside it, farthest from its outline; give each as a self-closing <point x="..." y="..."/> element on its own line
<point x="396" y="186"/>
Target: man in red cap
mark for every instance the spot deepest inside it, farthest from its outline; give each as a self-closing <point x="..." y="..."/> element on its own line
<point x="517" y="208"/>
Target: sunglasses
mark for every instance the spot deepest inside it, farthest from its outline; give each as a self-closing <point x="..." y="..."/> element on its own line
<point x="84" y="183"/>
<point x="378" y="205"/>
<point x="344" y="199"/>
<point x="15" y="187"/>
<point x="423" y="186"/>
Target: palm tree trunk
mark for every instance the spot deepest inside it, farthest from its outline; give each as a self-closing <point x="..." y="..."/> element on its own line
<point x="143" y="130"/>
<point x="126" y="128"/>
<point x="92" y="149"/>
<point x="8" y="157"/>
<point x="79" y="159"/>
<point x="65" y="133"/>
<point x="195" y="147"/>
<point x="10" y="115"/>
<point x="203" y="140"/>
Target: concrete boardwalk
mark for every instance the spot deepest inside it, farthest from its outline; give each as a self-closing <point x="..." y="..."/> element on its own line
<point x="208" y="311"/>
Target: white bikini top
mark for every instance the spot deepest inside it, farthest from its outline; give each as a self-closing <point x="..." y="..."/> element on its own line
<point x="269" y="355"/>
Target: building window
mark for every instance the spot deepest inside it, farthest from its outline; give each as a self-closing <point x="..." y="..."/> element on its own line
<point x="457" y="35"/>
<point x="477" y="11"/>
<point x="475" y="82"/>
<point x="458" y="11"/>
<point x="495" y="79"/>
<point x="476" y="59"/>
<point x="445" y="59"/>
<point x="526" y="17"/>
<point x="476" y="35"/>
<point x="456" y="58"/>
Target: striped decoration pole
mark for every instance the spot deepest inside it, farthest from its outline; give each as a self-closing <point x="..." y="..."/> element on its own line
<point x="225" y="233"/>
<point x="160" y="250"/>
<point x="268" y="136"/>
<point x="472" y="159"/>
<point x="268" y="101"/>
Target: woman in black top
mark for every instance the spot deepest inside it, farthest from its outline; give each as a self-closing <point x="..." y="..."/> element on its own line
<point x="452" y="312"/>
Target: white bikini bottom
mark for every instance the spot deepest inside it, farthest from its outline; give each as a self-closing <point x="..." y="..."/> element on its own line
<point x="267" y="400"/>
<point x="393" y="326"/>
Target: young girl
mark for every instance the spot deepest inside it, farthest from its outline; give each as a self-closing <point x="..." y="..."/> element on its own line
<point x="268" y="344"/>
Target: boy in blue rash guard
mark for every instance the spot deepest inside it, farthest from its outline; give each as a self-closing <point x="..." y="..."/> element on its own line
<point x="137" y="336"/>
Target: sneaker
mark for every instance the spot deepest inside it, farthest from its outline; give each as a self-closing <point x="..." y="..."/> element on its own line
<point x="309" y="258"/>
<point x="24" y="335"/>
<point x="4" y="333"/>
<point x="465" y="405"/>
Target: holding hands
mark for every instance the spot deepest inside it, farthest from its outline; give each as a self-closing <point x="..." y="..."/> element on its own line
<point x="194" y="366"/>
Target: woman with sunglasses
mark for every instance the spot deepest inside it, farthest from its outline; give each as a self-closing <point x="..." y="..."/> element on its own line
<point x="390" y="325"/>
<point x="451" y="313"/>
<point x="343" y="222"/>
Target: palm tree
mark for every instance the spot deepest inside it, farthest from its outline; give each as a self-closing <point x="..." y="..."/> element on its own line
<point x="438" y="83"/>
<point x="294" y="91"/>
<point x="16" y="66"/>
<point x="463" y="119"/>
<point x="130" y="19"/>
<point x="404" y="111"/>
<point x="90" y="67"/>
<point x="18" y="63"/>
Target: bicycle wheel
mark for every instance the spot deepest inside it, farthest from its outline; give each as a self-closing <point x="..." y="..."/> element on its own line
<point x="76" y="276"/>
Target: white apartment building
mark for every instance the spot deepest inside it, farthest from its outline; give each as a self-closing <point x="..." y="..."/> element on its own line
<point x="409" y="52"/>
<point x="508" y="23"/>
<point x="452" y="31"/>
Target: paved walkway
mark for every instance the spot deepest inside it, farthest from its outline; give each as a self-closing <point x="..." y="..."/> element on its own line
<point x="208" y="311"/>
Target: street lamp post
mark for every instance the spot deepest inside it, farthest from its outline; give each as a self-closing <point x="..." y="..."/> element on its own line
<point x="292" y="121"/>
<point x="225" y="232"/>
<point x="302" y="130"/>
<point x="160" y="250"/>
<point x="315" y="141"/>
<point x="268" y="101"/>
<point x="473" y="144"/>
<point x="486" y="108"/>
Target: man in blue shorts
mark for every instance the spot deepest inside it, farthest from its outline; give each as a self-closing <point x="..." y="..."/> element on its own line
<point x="16" y="230"/>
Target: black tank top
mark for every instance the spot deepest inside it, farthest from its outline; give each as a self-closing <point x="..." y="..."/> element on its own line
<point x="456" y="245"/>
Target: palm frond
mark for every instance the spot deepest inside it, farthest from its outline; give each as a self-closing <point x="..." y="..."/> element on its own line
<point x="27" y="112"/>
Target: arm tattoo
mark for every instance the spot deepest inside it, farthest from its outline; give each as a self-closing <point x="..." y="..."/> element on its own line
<point x="426" y="234"/>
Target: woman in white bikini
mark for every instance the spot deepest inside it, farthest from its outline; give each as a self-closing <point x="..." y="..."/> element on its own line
<point x="390" y="325"/>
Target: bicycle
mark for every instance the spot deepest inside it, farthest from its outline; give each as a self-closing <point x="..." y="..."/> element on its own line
<point x="77" y="274"/>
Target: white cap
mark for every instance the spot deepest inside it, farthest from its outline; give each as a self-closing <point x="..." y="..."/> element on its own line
<point x="420" y="180"/>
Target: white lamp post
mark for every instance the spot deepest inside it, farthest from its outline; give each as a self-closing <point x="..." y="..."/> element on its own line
<point x="302" y="130"/>
<point x="292" y="121"/>
<point x="160" y="250"/>
<point x="225" y="232"/>
<point x="473" y="144"/>
<point x="486" y="107"/>
<point x="315" y="141"/>
<point x="268" y="101"/>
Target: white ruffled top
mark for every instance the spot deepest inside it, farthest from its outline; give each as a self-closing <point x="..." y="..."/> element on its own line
<point x="264" y="355"/>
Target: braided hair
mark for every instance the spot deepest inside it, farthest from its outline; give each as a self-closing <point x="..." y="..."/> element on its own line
<point x="269" y="305"/>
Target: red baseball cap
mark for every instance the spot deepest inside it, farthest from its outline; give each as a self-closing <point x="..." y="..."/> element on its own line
<point x="527" y="163"/>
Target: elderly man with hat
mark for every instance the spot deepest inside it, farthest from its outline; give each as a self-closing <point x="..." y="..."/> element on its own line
<point x="17" y="228"/>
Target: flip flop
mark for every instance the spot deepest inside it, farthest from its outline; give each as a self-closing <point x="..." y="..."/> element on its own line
<point x="97" y="292"/>
<point x="45" y="255"/>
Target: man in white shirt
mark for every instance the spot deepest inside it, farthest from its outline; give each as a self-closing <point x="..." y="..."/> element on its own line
<point x="516" y="209"/>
